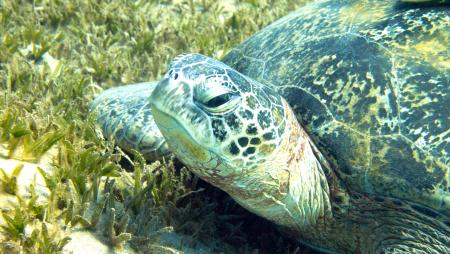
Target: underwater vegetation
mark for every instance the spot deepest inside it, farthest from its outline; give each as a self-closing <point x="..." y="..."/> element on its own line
<point x="59" y="176"/>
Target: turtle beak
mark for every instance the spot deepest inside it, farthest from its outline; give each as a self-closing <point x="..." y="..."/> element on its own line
<point x="174" y="109"/>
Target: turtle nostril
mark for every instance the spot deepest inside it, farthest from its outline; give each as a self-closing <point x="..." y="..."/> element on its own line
<point x="173" y="74"/>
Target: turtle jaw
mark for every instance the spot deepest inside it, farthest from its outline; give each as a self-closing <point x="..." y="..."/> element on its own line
<point x="174" y="100"/>
<point x="184" y="126"/>
<point x="179" y="139"/>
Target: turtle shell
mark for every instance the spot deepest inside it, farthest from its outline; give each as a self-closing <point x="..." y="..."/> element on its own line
<point x="369" y="80"/>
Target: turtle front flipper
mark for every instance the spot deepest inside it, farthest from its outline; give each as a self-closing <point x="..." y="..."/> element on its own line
<point x="125" y="116"/>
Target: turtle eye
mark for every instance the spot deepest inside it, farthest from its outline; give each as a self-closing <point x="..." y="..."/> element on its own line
<point x="220" y="100"/>
<point x="222" y="103"/>
<point x="217" y="100"/>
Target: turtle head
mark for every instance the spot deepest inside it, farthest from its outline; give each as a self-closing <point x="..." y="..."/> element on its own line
<point x="216" y="120"/>
<point x="240" y="136"/>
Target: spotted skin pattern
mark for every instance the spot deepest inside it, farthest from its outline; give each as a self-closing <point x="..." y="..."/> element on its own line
<point x="255" y="127"/>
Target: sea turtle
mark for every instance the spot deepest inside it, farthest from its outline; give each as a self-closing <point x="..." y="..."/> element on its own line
<point x="332" y="122"/>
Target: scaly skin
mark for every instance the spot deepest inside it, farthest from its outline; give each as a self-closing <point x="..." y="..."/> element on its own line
<point x="295" y="193"/>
